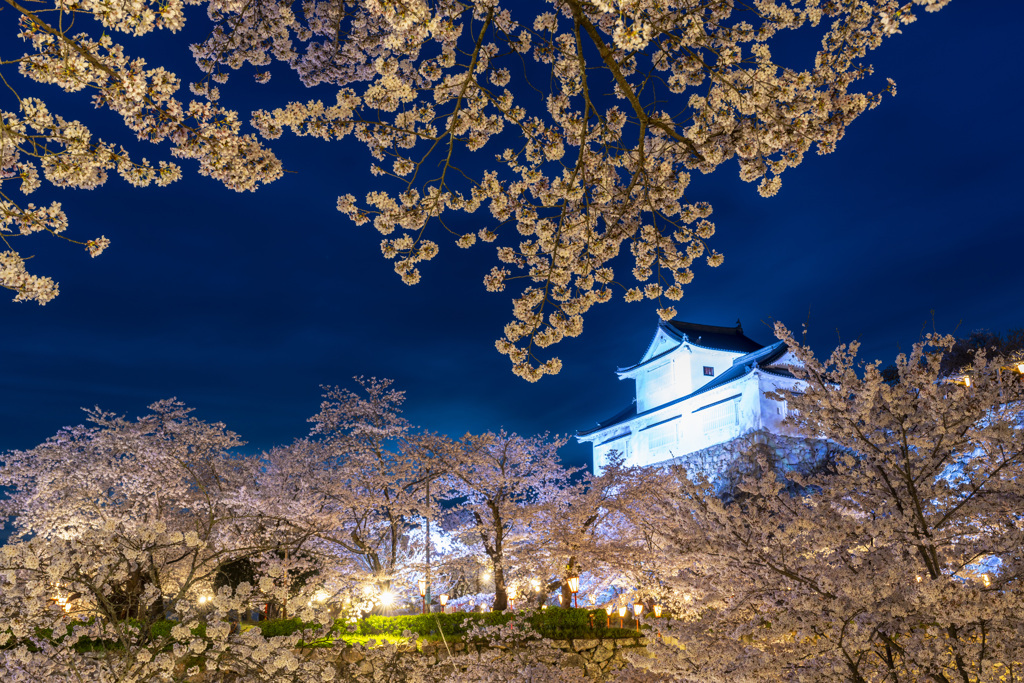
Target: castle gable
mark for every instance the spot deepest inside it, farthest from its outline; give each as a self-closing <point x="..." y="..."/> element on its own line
<point x="660" y="344"/>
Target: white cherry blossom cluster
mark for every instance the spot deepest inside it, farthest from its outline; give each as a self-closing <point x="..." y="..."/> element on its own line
<point x="575" y="125"/>
<point x="14" y="277"/>
<point x="39" y="145"/>
<point x="585" y="178"/>
<point x="119" y="525"/>
<point x="895" y="554"/>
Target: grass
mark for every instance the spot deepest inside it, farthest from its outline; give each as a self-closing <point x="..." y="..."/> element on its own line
<point x="558" y="624"/>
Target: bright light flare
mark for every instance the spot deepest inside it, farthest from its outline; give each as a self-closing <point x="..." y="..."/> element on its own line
<point x="62" y="601"/>
<point x="387" y="598"/>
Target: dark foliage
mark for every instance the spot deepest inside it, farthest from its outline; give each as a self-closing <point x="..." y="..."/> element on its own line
<point x="993" y="343"/>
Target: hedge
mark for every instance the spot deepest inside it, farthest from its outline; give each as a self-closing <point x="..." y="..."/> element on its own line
<point x="550" y="623"/>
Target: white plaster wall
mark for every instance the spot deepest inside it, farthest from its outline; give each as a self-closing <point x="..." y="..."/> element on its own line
<point x="654" y="388"/>
<point x="753" y="409"/>
<point x="698" y="358"/>
<point x="774" y="412"/>
<point x="683" y="377"/>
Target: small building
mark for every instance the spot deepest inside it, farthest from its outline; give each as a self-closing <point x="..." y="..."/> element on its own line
<point x="698" y="388"/>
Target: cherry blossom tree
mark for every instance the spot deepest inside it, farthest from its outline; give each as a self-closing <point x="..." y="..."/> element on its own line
<point x="897" y="559"/>
<point x="587" y="530"/>
<point x="124" y="524"/>
<point x="358" y="485"/>
<point x="576" y="124"/>
<point x="503" y="483"/>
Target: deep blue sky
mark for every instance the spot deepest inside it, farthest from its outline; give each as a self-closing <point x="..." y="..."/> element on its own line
<point x="241" y="305"/>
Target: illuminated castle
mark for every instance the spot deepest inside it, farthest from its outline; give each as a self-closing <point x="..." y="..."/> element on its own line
<point x="698" y="387"/>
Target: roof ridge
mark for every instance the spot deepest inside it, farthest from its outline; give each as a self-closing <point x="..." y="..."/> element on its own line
<point x="683" y="326"/>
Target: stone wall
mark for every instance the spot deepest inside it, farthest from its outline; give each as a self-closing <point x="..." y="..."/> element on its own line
<point x="594" y="658"/>
<point x="723" y="462"/>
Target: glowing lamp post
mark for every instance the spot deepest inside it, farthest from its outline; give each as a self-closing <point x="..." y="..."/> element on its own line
<point x="657" y="610"/>
<point x="443" y="599"/>
<point x="422" y="583"/>
<point x="574" y="588"/>
<point x="511" y="598"/>
<point x="637" y="609"/>
<point x="622" y="614"/>
<point x="608" y="611"/>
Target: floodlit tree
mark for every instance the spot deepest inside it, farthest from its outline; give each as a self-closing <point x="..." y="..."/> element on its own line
<point x="575" y="123"/>
<point x="358" y="485"/>
<point x="588" y="529"/>
<point x="119" y="527"/>
<point x="898" y="559"/>
<point x="503" y="483"/>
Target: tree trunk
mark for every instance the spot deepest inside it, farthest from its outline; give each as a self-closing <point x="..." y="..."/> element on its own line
<point x="500" y="592"/>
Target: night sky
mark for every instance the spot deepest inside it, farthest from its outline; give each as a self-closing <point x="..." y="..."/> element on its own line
<point x="242" y="305"/>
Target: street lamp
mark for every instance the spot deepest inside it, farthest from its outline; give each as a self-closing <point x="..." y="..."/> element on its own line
<point x="443" y="599"/>
<point x="511" y="592"/>
<point x="422" y="583"/>
<point x="608" y="611"/>
<point x="657" y="610"/>
<point x="622" y="613"/>
<point x="574" y="588"/>
<point x="638" y="607"/>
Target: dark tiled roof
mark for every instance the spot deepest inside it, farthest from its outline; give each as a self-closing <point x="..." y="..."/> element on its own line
<point x="618" y="417"/>
<point x="706" y="336"/>
<point x="714" y="337"/>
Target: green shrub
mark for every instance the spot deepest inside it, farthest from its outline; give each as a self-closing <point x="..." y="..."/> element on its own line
<point x="561" y="624"/>
<point x="284" y="627"/>
<point x="550" y="623"/>
<point x="162" y="629"/>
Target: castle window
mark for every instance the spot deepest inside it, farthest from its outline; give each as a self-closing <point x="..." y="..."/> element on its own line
<point x="709" y="371"/>
<point x="724" y="414"/>
<point x="661" y="439"/>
